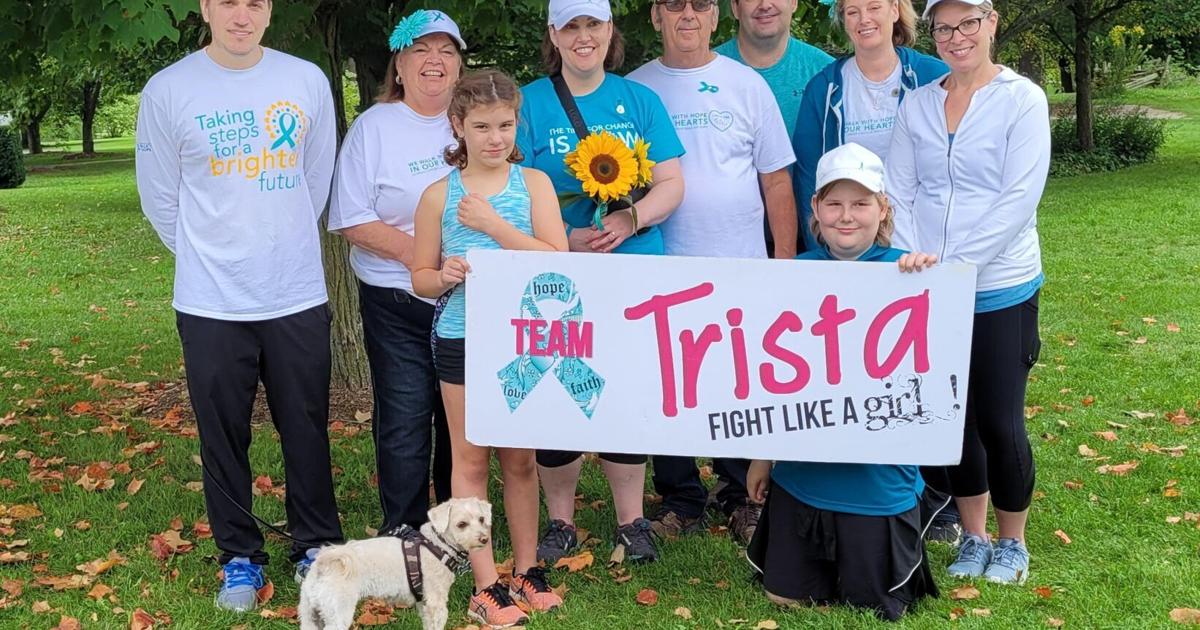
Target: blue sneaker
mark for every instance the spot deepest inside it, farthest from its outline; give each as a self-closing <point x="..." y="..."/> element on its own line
<point x="974" y="555"/>
<point x="305" y="564"/>
<point x="239" y="590"/>
<point x="1010" y="563"/>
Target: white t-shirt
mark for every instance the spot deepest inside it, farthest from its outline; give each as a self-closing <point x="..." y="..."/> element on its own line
<point x="389" y="157"/>
<point x="870" y="107"/>
<point x="731" y="129"/>
<point x="233" y="170"/>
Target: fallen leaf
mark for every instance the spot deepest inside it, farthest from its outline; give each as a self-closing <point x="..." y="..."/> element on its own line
<point x="96" y="567"/>
<point x="83" y="526"/>
<point x="1141" y="341"/>
<point x="617" y="556"/>
<point x="1073" y="485"/>
<point x="99" y="592"/>
<point x="964" y="592"/>
<point x="14" y="588"/>
<point x="68" y="623"/>
<point x="201" y="530"/>
<point x="1179" y="418"/>
<point x="647" y="597"/>
<point x="767" y="624"/>
<point x="694" y="581"/>
<point x="1119" y="470"/>
<point x="13" y="557"/>
<point x="575" y="563"/>
<point x="24" y="512"/>
<point x="266" y="593"/>
<point x="1172" y="520"/>
<point x="362" y="416"/>
<point x="1117" y="425"/>
<point x="81" y="408"/>
<point x="1186" y="616"/>
<point x="1088" y="401"/>
<point x="1055" y="623"/>
<point x="68" y="582"/>
<point x="722" y="584"/>
<point x="683" y="613"/>
<point x="141" y="620"/>
<point x="135" y="485"/>
<point x="981" y="612"/>
<point x="1062" y="536"/>
<point x="957" y="613"/>
<point x="1173" y="328"/>
<point x="1140" y="415"/>
<point x="1086" y="451"/>
<point x="40" y="607"/>
<point x="1045" y="592"/>
<point x="1107" y="436"/>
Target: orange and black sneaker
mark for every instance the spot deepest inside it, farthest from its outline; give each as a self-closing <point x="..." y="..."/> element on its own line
<point x="494" y="608"/>
<point x="532" y="588"/>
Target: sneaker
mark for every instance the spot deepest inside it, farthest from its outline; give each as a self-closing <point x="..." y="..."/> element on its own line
<point x="532" y="588"/>
<point x="744" y="521"/>
<point x="944" y="531"/>
<point x="494" y="607"/>
<point x="240" y="584"/>
<point x="638" y="541"/>
<point x="305" y="564"/>
<point x="669" y="524"/>
<point x="1010" y="562"/>
<point x="974" y="554"/>
<point x="558" y="541"/>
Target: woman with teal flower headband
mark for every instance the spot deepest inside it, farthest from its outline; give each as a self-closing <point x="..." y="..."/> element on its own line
<point x="390" y="155"/>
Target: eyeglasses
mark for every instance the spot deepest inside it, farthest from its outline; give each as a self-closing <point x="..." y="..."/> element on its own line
<point x="970" y="26"/>
<point x="677" y="6"/>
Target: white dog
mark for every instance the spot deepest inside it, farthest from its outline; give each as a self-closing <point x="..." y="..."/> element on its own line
<point x="377" y="567"/>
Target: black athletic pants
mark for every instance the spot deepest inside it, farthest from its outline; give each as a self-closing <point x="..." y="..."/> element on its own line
<point x="996" y="456"/>
<point x="677" y="480"/>
<point x="224" y="361"/>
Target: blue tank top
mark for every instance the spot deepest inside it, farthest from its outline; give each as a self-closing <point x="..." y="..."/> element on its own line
<point x="512" y="204"/>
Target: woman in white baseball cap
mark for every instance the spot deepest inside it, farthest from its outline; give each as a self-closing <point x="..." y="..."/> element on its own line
<point x="581" y="48"/>
<point x="965" y="172"/>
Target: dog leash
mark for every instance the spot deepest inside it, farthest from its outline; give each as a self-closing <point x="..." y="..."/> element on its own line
<point x="213" y="479"/>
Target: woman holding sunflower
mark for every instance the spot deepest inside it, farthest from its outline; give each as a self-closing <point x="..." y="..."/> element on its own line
<point x="629" y="141"/>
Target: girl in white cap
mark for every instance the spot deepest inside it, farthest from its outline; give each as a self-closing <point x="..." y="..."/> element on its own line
<point x="581" y="48"/>
<point x="848" y="533"/>
<point x="966" y="170"/>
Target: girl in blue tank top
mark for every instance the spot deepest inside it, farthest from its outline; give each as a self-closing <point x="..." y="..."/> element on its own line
<point x="836" y="531"/>
<point x="487" y="202"/>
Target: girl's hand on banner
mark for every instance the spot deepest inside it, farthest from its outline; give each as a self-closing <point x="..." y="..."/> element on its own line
<point x="916" y="261"/>
<point x="454" y="271"/>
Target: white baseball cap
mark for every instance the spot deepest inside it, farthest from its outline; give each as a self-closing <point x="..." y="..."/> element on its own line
<point x="933" y="3"/>
<point x="424" y="22"/>
<point x="853" y="162"/>
<point x="563" y="11"/>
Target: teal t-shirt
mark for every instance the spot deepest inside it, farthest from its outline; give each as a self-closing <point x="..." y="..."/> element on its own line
<point x="627" y="109"/>
<point x="789" y="76"/>
<point x="864" y="489"/>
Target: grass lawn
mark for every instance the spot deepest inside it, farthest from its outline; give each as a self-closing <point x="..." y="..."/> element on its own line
<point x="87" y="346"/>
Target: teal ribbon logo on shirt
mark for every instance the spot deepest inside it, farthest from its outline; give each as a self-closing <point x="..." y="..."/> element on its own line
<point x="555" y="347"/>
<point x="285" y="124"/>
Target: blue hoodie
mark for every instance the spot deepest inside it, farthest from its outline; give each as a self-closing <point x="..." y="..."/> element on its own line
<point x="820" y="128"/>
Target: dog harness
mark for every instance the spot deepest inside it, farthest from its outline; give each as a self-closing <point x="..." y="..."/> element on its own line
<point x="411" y="541"/>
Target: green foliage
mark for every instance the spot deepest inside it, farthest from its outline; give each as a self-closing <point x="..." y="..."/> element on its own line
<point x="12" y="164"/>
<point x="1117" y="56"/>
<point x="1123" y="138"/>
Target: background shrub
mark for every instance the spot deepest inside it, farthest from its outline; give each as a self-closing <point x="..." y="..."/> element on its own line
<point x="1123" y="138"/>
<point x="12" y="165"/>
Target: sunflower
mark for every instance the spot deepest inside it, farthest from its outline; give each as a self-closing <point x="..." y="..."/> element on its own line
<point x="641" y="150"/>
<point x="605" y="166"/>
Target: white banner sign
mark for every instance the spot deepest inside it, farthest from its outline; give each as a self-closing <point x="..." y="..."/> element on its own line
<point x="762" y="359"/>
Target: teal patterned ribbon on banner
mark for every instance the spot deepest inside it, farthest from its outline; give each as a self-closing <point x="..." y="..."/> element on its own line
<point x="519" y="378"/>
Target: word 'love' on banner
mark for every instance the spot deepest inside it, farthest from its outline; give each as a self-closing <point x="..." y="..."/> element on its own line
<point x="762" y="359"/>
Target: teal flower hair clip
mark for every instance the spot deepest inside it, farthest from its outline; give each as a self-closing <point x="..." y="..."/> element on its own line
<point x="409" y="29"/>
<point x="832" y="4"/>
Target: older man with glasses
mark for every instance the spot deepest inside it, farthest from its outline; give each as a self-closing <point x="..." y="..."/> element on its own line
<point x="729" y="123"/>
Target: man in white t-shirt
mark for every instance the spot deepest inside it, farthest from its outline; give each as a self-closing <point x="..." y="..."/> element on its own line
<point x="738" y="155"/>
<point x="235" y="152"/>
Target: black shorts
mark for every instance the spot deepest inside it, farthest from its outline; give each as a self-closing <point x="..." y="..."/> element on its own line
<point x="450" y="359"/>
<point x="555" y="459"/>
<point x="813" y="555"/>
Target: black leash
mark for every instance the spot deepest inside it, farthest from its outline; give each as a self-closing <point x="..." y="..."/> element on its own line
<point x="213" y="479"/>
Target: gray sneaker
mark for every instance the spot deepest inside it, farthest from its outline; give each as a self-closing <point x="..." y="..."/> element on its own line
<point x="638" y="540"/>
<point x="1010" y="562"/>
<point x="558" y="540"/>
<point x="304" y="564"/>
<point x="240" y="584"/>
<point x="974" y="555"/>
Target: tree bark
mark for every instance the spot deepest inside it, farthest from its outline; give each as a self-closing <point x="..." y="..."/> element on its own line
<point x="1065" y="76"/>
<point x="370" y="69"/>
<point x="350" y="369"/>
<point x="1030" y="65"/>
<point x="33" y="137"/>
<point x="91" y="101"/>
<point x="1084" y="134"/>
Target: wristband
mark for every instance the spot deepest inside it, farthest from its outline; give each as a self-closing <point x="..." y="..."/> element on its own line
<point x="633" y="214"/>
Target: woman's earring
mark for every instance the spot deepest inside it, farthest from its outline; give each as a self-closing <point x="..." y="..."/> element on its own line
<point x="397" y="79"/>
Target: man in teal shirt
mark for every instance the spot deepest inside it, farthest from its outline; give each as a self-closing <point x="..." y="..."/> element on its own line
<point x="764" y="42"/>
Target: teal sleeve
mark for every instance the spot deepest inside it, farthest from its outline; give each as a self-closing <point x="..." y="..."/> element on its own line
<point x="808" y="144"/>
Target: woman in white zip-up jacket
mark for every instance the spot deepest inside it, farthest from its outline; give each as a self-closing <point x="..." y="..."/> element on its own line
<point x="965" y="172"/>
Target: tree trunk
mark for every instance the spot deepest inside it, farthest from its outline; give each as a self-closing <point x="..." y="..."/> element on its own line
<point x="350" y="369"/>
<point x="1083" y="76"/>
<point x="370" y="69"/>
<point x="1064" y="75"/>
<point x="91" y="101"/>
<point x="1030" y="65"/>
<point x="33" y="137"/>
